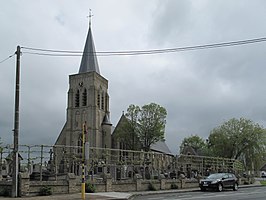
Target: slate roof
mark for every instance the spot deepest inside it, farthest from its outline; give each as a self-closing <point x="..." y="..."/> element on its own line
<point x="89" y="62"/>
<point x="161" y="147"/>
<point x="121" y="121"/>
<point x="106" y="120"/>
<point x="188" y="150"/>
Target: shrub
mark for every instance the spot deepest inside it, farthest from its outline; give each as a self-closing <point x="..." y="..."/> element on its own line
<point x="249" y="180"/>
<point x="263" y="182"/>
<point x="252" y="180"/>
<point x="174" y="186"/>
<point x="89" y="187"/>
<point x="151" y="187"/>
<point x="246" y="182"/>
<point x="45" y="191"/>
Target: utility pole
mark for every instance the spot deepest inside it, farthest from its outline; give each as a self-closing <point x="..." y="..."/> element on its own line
<point x="16" y="129"/>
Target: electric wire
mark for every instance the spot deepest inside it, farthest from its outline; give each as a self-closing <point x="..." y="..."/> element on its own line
<point x="7" y="58"/>
<point x="50" y="52"/>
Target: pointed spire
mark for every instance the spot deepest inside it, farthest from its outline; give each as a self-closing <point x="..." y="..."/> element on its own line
<point x="106" y="120"/>
<point x="89" y="62"/>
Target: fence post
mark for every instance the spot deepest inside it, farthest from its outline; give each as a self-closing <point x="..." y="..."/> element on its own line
<point x="41" y="162"/>
<point x="24" y="186"/>
<point x="162" y="182"/>
<point x="29" y="164"/>
<point x="108" y="183"/>
<point x="138" y="181"/>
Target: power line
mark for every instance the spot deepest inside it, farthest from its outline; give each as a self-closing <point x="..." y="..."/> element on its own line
<point x="7" y="58"/>
<point x="50" y="52"/>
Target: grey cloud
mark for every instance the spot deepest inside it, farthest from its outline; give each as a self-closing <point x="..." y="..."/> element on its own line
<point x="199" y="89"/>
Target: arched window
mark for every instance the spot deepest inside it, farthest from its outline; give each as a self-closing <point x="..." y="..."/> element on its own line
<point x="80" y="144"/>
<point x="84" y="98"/>
<point x="84" y="116"/>
<point x="77" y="119"/>
<point x="77" y="99"/>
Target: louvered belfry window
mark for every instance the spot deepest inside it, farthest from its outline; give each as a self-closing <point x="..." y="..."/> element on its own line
<point x="77" y="99"/>
<point x="84" y="98"/>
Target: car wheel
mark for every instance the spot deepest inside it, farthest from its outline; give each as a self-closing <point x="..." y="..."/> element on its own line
<point x="235" y="188"/>
<point x="220" y="187"/>
<point x="203" y="189"/>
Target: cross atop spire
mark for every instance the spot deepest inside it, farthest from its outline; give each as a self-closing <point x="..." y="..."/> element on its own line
<point x="89" y="61"/>
<point x="90" y="17"/>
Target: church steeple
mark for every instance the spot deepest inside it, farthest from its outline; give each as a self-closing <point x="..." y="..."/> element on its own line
<point x="88" y="101"/>
<point x="89" y="61"/>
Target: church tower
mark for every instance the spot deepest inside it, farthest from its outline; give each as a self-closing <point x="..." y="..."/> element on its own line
<point x="88" y="101"/>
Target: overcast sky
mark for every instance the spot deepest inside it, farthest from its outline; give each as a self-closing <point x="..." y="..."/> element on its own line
<point x="199" y="89"/>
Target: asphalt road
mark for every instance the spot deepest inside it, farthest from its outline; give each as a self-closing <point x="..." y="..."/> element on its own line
<point x="254" y="193"/>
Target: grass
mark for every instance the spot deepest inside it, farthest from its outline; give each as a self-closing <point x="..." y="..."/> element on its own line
<point x="263" y="182"/>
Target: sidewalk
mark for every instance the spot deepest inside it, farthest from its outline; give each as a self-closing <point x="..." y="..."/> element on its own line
<point x="113" y="195"/>
<point x="93" y="196"/>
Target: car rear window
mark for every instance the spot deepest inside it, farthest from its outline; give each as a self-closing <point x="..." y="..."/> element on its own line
<point x="216" y="176"/>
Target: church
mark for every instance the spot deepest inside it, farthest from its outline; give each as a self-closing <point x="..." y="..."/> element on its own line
<point x="88" y="102"/>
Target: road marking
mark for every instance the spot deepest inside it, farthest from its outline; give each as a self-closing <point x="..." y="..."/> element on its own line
<point x="210" y="196"/>
<point x="207" y="194"/>
<point x="154" y="198"/>
<point x="226" y="194"/>
<point x="188" y="195"/>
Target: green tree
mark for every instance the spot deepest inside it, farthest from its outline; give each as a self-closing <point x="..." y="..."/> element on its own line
<point x="151" y="124"/>
<point x="239" y="139"/>
<point x="196" y="142"/>
<point x="145" y="125"/>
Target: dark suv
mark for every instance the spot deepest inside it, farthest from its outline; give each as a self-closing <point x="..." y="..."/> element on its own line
<point x="219" y="181"/>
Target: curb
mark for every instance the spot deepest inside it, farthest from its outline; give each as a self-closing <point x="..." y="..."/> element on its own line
<point x="250" y="185"/>
<point x="147" y="193"/>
